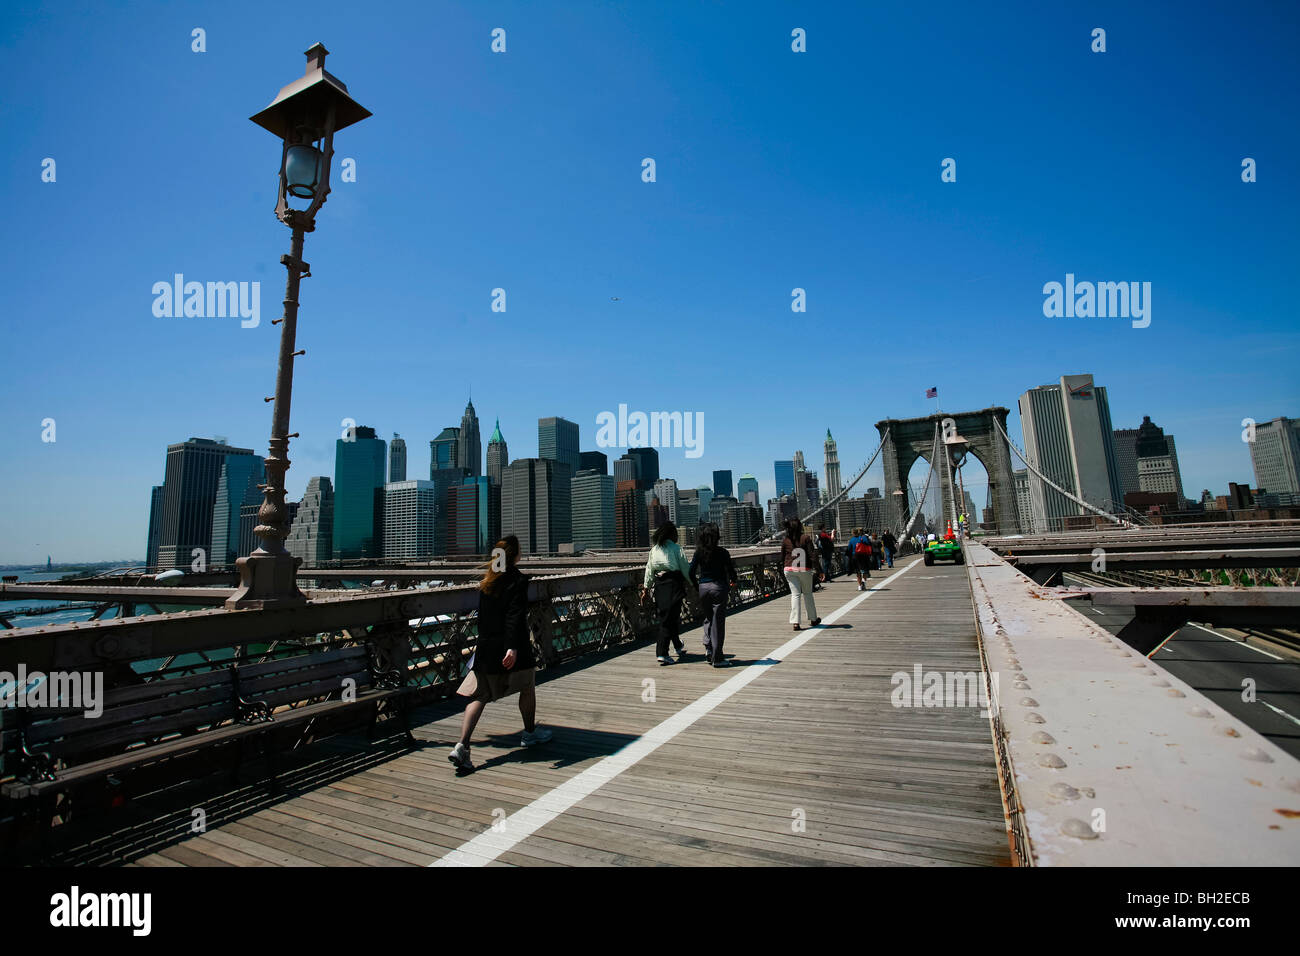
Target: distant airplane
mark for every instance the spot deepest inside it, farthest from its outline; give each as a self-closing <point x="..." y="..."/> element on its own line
<point x="613" y="298"/>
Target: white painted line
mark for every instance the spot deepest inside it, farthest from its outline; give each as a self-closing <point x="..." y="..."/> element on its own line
<point x="521" y="824"/>
<point x="1238" y="643"/>
<point x="1279" y="710"/>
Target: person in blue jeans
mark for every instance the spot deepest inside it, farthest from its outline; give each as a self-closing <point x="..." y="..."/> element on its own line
<point x="713" y="573"/>
<point x="890" y="544"/>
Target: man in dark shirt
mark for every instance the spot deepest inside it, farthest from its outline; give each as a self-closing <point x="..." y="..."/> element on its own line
<point x="890" y="544"/>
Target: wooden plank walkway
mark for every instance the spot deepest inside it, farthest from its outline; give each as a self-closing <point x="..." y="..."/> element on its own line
<point x="813" y="739"/>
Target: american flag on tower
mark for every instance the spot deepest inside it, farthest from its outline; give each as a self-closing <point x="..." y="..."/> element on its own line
<point x="932" y="392"/>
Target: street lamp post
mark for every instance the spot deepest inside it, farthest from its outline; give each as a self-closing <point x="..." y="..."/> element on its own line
<point x="957" y="447"/>
<point x="307" y="112"/>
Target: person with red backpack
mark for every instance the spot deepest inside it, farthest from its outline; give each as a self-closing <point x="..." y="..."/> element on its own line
<point x="860" y="555"/>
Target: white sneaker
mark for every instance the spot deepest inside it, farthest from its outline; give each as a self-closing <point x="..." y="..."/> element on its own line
<point x="539" y="736"/>
<point x="460" y="757"/>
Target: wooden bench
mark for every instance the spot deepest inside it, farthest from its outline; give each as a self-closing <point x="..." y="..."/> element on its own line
<point x="52" y="752"/>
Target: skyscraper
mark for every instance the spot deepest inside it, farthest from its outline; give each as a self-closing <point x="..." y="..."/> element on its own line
<point x="593" y="461"/>
<point x="705" y="496"/>
<point x="443" y="480"/>
<point x="557" y="439"/>
<point x="536" y="504"/>
<point x="359" y="495"/>
<point x="410" y="520"/>
<point x="813" y="498"/>
<point x="647" y="466"/>
<point x="625" y="468"/>
<point x="498" y="456"/>
<point x="594" y="523"/>
<point x="473" y="516"/>
<point x="784" y="477"/>
<point x="239" y="475"/>
<point x="688" y="511"/>
<point x="189" y="497"/>
<point x="722" y="482"/>
<point x="397" y="459"/>
<point x="1275" y="455"/>
<point x="1024" y="503"/>
<point x="1069" y="437"/>
<point x="1158" y="470"/>
<point x="656" y="513"/>
<point x="718" y="506"/>
<point x="311" y="536"/>
<point x="833" y="486"/>
<point x="665" y="489"/>
<point x="630" y="529"/>
<point x="1157" y="460"/>
<point x="155" y="526"/>
<point x="444" y="451"/>
<point x="470" y="452"/>
<point x="748" y="486"/>
<point x="740" y="524"/>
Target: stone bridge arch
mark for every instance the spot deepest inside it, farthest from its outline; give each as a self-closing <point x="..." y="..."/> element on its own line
<point x="912" y="438"/>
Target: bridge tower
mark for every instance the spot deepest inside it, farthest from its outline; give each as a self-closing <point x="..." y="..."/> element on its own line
<point x="912" y="438"/>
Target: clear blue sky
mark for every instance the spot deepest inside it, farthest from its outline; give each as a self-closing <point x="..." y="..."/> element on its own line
<point x="522" y="170"/>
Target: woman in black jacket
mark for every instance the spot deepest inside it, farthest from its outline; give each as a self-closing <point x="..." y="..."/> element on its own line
<point x="713" y="572"/>
<point x="503" y="661"/>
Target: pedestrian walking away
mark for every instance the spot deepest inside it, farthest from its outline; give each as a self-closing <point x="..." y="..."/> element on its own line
<point x="503" y="662"/>
<point x="890" y="544"/>
<point x="826" y="549"/>
<point x="860" y="556"/>
<point x="798" y="557"/>
<point x="667" y="572"/>
<point x="713" y="573"/>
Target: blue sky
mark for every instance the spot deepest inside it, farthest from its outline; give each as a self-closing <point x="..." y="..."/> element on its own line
<point x="522" y="170"/>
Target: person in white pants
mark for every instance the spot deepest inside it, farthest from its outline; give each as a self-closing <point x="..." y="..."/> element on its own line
<point x="797" y="554"/>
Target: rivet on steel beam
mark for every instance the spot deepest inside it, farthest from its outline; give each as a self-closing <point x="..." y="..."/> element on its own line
<point x="1042" y="737"/>
<point x="1028" y="702"/>
<point x="1063" y="791"/>
<point x="1175" y="692"/>
<point x="1051" y="761"/>
<point x="1078" y="829"/>
<point x="1200" y="712"/>
<point x="1020" y="685"/>
<point x="1254" y="753"/>
<point x="1034" y="718"/>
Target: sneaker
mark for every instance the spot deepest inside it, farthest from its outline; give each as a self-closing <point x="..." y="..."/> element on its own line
<point x="722" y="663"/>
<point x="664" y="661"/>
<point x="539" y="736"/>
<point x="460" y="757"/>
<point x="815" y="621"/>
<point x="795" y="626"/>
<point x="862" y="587"/>
<point x="681" y="651"/>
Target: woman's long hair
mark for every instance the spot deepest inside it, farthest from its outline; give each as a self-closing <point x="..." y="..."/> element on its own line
<point x="794" y="529"/>
<point x="665" y="532"/>
<point x="510" y="545"/>
<point x="707" y="541"/>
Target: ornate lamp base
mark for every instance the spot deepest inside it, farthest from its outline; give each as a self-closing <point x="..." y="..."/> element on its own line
<point x="267" y="580"/>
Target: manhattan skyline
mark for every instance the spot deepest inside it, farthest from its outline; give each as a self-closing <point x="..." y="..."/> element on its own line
<point x="523" y="171"/>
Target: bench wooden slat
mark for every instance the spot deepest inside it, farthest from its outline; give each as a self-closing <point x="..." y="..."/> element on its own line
<point x="139" y="732"/>
<point x="300" y="661"/>
<point x="119" y="696"/>
<point x="163" y="706"/>
<point x="336" y="671"/>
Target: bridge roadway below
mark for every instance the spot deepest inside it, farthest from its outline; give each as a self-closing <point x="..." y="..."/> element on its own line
<point x="794" y="755"/>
